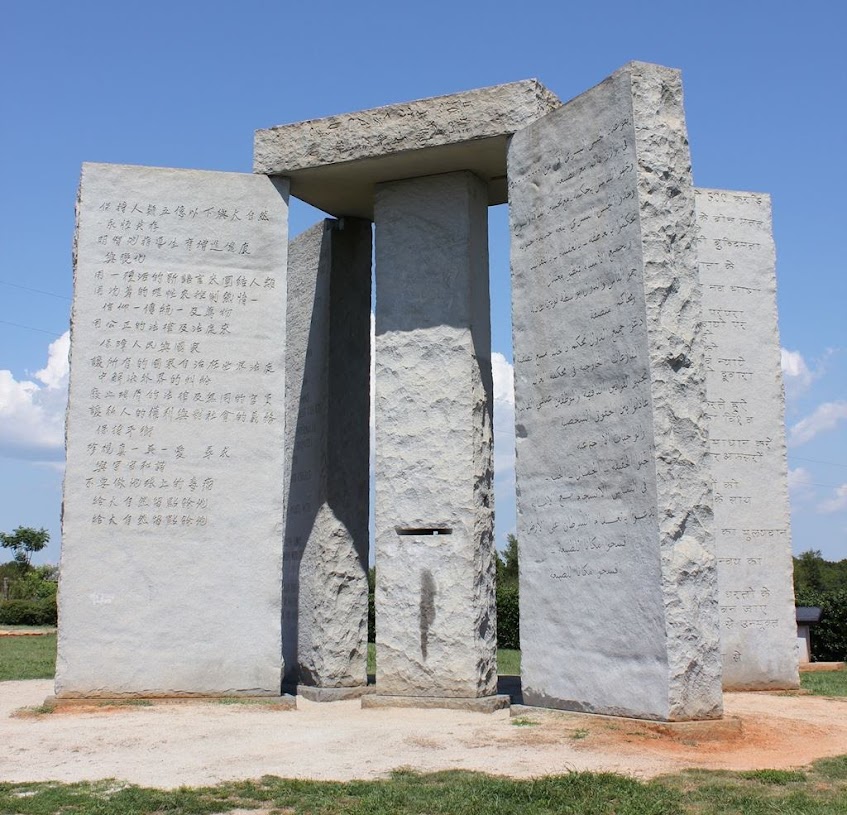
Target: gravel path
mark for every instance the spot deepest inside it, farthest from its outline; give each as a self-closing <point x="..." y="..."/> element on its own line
<point x="167" y="745"/>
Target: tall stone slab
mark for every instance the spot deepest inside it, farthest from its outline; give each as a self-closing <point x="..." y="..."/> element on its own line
<point x="325" y="580"/>
<point x="618" y="584"/>
<point x="746" y="407"/>
<point x="435" y="612"/>
<point x="173" y="499"/>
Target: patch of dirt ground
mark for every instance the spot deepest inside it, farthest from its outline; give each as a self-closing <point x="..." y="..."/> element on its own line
<point x="199" y="743"/>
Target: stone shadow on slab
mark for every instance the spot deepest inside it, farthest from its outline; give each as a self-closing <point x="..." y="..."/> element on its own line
<point x="328" y="465"/>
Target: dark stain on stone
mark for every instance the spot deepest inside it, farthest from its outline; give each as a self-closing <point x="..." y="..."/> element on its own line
<point x="679" y="361"/>
<point x="427" y="608"/>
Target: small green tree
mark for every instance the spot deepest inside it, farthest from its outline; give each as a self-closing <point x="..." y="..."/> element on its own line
<point x="508" y="603"/>
<point x="24" y="543"/>
<point x="507" y="563"/>
<point x="808" y="571"/>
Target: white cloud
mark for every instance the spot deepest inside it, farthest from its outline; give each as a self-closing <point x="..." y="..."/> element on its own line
<point x="504" y="417"/>
<point x="799" y="480"/>
<point x="795" y="372"/>
<point x="836" y="502"/>
<point x="504" y="447"/>
<point x="800" y="489"/>
<point x="825" y="417"/>
<point x="55" y="374"/>
<point x="32" y="413"/>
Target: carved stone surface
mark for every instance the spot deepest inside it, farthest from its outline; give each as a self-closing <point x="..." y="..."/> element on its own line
<point x="746" y="409"/>
<point x="325" y="585"/>
<point x="173" y="504"/>
<point x="434" y="525"/>
<point x="618" y="583"/>
<point x="334" y="163"/>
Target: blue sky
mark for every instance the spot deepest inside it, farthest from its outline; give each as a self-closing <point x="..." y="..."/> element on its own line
<point x="184" y="84"/>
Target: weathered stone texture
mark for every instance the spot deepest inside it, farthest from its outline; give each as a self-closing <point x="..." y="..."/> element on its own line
<point x="336" y="163"/>
<point x="173" y="500"/>
<point x="499" y="110"/>
<point x="618" y="585"/>
<point x="746" y="409"/>
<point x="435" y="592"/>
<point x="325" y="590"/>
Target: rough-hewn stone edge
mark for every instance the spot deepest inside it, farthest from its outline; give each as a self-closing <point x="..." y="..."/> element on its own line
<point x="349" y="350"/>
<point x="410" y="125"/>
<point x="308" y="268"/>
<point x="333" y="255"/>
<point x="277" y="702"/>
<point x="678" y="391"/>
<point x="481" y="704"/>
<point x="60" y="606"/>
<point x="698" y="730"/>
<point x="482" y="421"/>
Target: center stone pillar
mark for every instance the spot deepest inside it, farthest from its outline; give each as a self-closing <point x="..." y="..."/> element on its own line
<point x="435" y="609"/>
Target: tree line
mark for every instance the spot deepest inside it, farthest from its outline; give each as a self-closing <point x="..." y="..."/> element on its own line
<point x="27" y="592"/>
<point x="823" y="583"/>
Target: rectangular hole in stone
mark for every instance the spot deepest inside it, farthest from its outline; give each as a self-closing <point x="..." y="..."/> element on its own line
<point x="423" y="530"/>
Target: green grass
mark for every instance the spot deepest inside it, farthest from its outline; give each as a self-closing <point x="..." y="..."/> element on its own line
<point x="27" y="657"/>
<point x="819" y="790"/>
<point x="461" y="793"/>
<point x="523" y="721"/>
<point x="508" y="662"/>
<point x="825" y="683"/>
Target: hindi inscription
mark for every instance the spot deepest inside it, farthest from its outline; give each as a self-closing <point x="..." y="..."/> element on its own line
<point x="747" y="439"/>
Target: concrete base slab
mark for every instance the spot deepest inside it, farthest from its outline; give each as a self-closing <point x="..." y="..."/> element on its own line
<point x="702" y="730"/>
<point x="314" y="694"/>
<point x="812" y="667"/>
<point x="284" y="702"/>
<point x="481" y="704"/>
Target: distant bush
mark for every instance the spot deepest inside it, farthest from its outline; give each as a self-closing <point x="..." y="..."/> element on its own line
<point x="829" y="636"/>
<point x="28" y="612"/>
<point x="508" y="617"/>
<point x="37" y="583"/>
